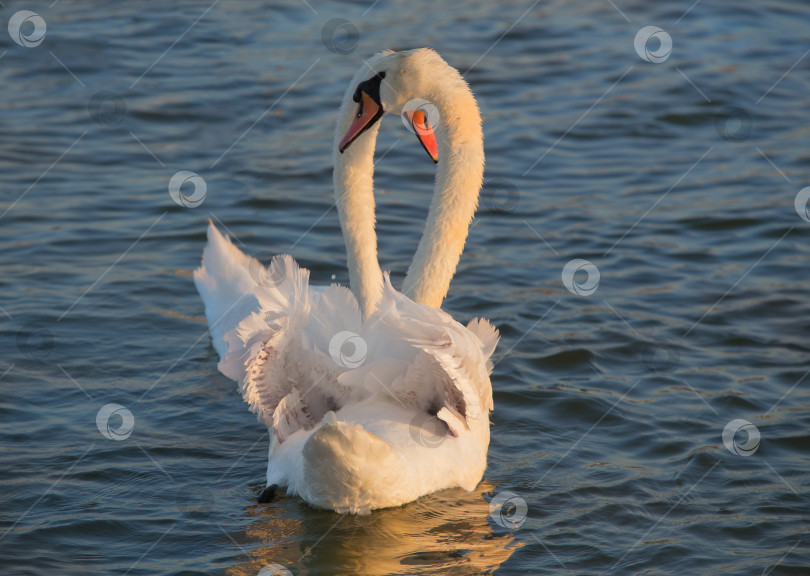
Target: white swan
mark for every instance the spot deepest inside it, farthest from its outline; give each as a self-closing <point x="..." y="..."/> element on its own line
<point x="373" y="397"/>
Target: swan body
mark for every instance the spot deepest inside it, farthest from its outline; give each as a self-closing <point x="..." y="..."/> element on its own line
<point x="373" y="397"/>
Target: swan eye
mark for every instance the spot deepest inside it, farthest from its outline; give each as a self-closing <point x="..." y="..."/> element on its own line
<point x="370" y="87"/>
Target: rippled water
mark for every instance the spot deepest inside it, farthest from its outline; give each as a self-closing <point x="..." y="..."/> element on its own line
<point x="676" y="180"/>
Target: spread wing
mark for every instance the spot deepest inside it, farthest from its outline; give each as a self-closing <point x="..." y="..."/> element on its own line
<point x="287" y="349"/>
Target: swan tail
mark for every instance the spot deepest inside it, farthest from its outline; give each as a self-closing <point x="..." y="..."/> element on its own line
<point x="225" y="285"/>
<point x="348" y="469"/>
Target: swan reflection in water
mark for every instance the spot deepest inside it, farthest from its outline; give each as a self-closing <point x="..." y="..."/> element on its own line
<point x="449" y="533"/>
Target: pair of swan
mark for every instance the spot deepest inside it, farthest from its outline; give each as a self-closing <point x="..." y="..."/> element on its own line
<point x="373" y="396"/>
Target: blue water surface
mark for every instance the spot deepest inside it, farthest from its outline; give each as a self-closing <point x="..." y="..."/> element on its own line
<point x="675" y="170"/>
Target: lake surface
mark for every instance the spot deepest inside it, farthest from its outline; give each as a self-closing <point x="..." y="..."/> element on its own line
<point x="673" y="166"/>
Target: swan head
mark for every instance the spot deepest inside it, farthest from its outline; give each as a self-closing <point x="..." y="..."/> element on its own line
<point x="399" y="83"/>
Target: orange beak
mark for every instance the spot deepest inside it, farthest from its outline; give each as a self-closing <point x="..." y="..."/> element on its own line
<point x="368" y="112"/>
<point x="424" y="131"/>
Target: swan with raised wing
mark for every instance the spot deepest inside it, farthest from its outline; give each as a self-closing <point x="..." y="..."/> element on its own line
<point x="373" y="396"/>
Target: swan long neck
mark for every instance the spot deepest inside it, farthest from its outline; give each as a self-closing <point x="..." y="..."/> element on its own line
<point x="354" y="196"/>
<point x="458" y="182"/>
